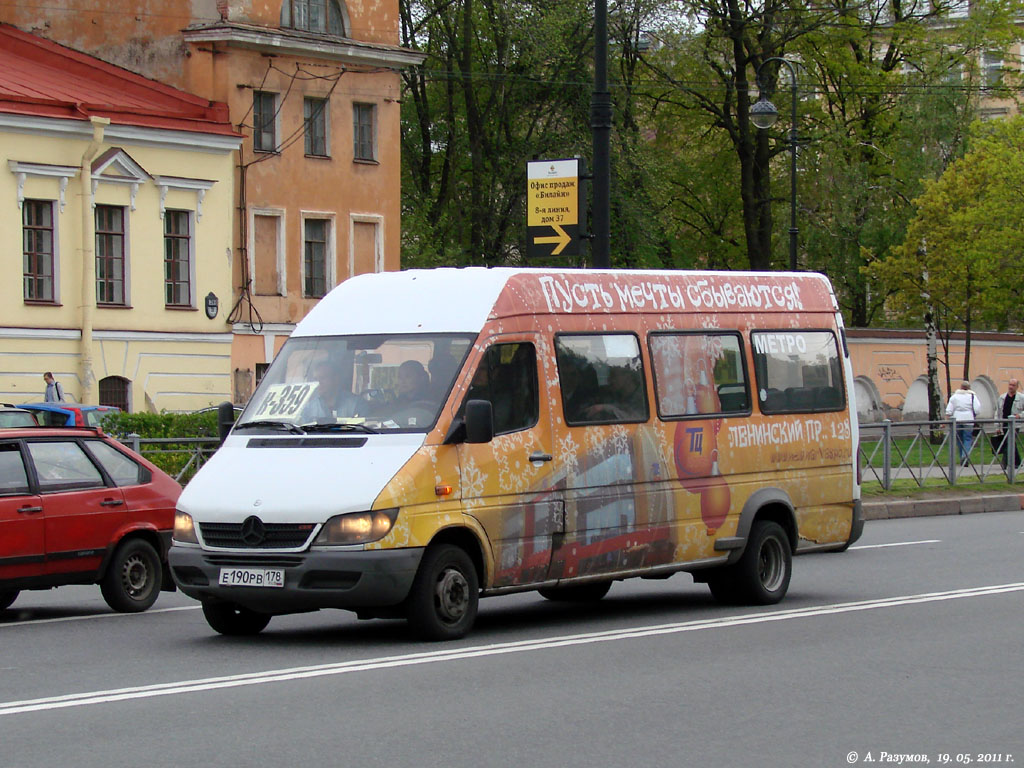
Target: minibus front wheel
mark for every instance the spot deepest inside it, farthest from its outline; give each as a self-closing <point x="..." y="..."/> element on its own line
<point x="761" y="576"/>
<point x="443" y="600"/>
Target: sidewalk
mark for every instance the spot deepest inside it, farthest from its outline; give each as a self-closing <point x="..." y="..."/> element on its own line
<point x="948" y="502"/>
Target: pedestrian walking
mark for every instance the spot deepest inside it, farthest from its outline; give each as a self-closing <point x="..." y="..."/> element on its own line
<point x="963" y="408"/>
<point x="54" y="391"/>
<point x="1011" y="404"/>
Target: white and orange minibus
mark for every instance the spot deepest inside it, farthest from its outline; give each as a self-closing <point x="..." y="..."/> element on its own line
<point x="426" y="438"/>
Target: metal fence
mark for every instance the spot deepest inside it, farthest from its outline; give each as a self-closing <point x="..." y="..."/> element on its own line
<point x="929" y="452"/>
<point x="180" y="457"/>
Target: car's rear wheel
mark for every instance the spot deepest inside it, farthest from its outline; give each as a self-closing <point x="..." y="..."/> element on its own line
<point x="133" y="578"/>
<point x="234" y="620"/>
<point x="761" y="576"/>
<point x="7" y="597"/>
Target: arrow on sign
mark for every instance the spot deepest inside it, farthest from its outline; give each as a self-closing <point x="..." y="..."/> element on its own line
<point x="562" y="239"/>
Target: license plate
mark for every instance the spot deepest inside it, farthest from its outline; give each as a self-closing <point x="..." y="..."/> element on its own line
<point x="251" y="577"/>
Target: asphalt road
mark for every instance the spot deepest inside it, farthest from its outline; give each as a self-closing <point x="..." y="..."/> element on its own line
<point x="909" y="644"/>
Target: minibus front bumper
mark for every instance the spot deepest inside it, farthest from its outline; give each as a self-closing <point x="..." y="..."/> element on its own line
<point x="348" y="579"/>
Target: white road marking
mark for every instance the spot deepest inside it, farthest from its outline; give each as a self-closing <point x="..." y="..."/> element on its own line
<point x="33" y="622"/>
<point x="412" y="659"/>
<point x="898" y="544"/>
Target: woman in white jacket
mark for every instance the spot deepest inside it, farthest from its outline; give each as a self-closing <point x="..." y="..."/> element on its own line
<point x="963" y="407"/>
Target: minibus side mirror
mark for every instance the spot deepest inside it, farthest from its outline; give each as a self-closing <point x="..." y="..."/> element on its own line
<point x="225" y="419"/>
<point x="479" y="421"/>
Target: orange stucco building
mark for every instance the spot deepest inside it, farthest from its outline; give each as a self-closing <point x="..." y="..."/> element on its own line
<point x="313" y="86"/>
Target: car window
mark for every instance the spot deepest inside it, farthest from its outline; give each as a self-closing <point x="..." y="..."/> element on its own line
<point x="122" y="470"/>
<point x="12" y="470"/>
<point x="16" y="419"/>
<point x="52" y="418"/>
<point x="63" y="466"/>
<point x="507" y="377"/>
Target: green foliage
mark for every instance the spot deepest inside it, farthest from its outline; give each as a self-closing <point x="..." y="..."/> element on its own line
<point x="173" y="458"/>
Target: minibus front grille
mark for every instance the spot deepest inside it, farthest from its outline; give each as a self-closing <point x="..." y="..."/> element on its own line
<point x="272" y="535"/>
<point x="255" y="561"/>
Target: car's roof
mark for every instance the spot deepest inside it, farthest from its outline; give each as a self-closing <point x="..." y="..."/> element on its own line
<point x="20" y="432"/>
<point x="16" y="408"/>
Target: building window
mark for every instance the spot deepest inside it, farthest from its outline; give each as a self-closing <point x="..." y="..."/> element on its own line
<point x="114" y="391"/>
<point x="177" y="264"/>
<point x="315" y="116"/>
<point x="364" y="130"/>
<point x="264" y="121"/>
<point x="315" y="257"/>
<point x="37" y="221"/>
<point x="323" y="16"/>
<point x="110" y="255"/>
<point x="992" y="66"/>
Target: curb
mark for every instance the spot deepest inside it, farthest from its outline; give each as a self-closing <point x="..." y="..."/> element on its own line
<point x="965" y="505"/>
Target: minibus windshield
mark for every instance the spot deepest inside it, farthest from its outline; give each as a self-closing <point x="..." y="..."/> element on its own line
<point x="373" y="383"/>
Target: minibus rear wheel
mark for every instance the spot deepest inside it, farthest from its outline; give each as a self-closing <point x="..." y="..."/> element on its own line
<point x="234" y="620"/>
<point x="7" y="597"/>
<point x="580" y="593"/>
<point x="443" y="601"/>
<point x="761" y="576"/>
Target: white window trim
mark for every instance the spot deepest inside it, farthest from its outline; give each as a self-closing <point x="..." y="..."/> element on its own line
<point x="22" y="171"/>
<point x="199" y="186"/>
<point x="330" y="257"/>
<point x="130" y="174"/>
<point x="250" y="247"/>
<point x="378" y="244"/>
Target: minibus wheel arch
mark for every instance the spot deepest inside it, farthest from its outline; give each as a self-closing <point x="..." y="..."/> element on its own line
<point x="466" y="540"/>
<point x="766" y="504"/>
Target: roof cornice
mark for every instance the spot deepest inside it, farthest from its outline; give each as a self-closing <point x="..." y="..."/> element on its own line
<point x="297" y="43"/>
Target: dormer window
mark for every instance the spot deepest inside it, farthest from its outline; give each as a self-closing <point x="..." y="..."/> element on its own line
<point x="321" y="16"/>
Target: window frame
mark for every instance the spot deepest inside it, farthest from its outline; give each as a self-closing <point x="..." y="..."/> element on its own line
<point x="111" y="236"/>
<point x="484" y="358"/>
<point x="40" y="256"/>
<point x="188" y="240"/>
<point x="840" y="377"/>
<point x="360" y="143"/>
<point x="311" y="120"/>
<point x="744" y="370"/>
<point x="643" y="377"/>
<point x="263" y="123"/>
<point x="328" y="250"/>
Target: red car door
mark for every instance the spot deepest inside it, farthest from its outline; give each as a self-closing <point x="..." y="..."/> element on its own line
<point x="21" y="519"/>
<point x="81" y="514"/>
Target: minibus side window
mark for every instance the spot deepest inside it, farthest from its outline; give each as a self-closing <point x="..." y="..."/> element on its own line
<point x="507" y="377"/>
<point x="601" y="378"/>
<point x="798" y="371"/>
<point x="699" y="373"/>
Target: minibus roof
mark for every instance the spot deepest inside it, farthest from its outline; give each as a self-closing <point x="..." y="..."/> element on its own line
<point x="462" y="300"/>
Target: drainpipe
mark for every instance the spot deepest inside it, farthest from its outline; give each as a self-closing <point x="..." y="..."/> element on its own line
<point x="90" y="392"/>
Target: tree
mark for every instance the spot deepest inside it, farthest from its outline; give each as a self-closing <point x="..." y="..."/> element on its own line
<point x="960" y="261"/>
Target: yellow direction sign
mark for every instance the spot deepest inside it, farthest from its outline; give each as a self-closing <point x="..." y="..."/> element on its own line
<point x="552" y="216"/>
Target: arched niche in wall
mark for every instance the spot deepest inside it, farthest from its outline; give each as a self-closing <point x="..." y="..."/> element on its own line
<point x="915" y="406"/>
<point x="867" y="400"/>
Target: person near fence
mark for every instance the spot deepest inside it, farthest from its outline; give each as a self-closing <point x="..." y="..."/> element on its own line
<point x="963" y="408"/>
<point x="1011" y="403"/>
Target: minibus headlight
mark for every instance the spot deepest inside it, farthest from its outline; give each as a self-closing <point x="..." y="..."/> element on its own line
<point x="184" y="528"/>
<point x="357" y="527"/>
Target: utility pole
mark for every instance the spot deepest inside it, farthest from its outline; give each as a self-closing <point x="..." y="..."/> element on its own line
<point x="601" y="125"/>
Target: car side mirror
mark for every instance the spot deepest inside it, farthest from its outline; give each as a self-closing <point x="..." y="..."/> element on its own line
<point x="479" y="420"/>
<point x="225" y="419"/>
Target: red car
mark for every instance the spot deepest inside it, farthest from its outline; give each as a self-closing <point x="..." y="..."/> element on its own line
<point x="77" y="507"/>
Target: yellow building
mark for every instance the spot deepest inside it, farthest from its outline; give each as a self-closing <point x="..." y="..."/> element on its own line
<point x="117" y="192"/>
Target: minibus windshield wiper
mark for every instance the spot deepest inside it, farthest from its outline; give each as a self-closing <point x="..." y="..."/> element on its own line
<point x="333" y="426"/>
<point x="271" y="424"/>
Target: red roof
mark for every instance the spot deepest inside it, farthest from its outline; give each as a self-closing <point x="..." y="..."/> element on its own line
<point x="39" y="77"/>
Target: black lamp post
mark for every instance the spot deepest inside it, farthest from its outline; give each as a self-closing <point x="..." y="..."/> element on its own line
<point x="763" y="114"/>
